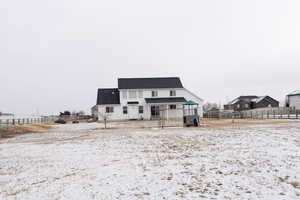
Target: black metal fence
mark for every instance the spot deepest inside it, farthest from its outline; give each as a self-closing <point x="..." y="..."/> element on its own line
<point x="262" y="113"/>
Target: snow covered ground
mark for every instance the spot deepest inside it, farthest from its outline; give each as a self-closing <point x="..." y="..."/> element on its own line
<point x="83" y="161"/>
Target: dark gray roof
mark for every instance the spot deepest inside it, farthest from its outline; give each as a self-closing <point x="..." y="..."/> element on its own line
<point x="245" y="98"/>
<point x="165" y="100"/>
<point x="108" y="96"/>
<point x="252" y="98"/>
<point x="148" y="83"/>
<point x="248" y="97"/>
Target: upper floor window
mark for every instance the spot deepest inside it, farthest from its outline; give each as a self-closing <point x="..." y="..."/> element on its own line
<point x="246" y="105"/>
<point x="172" y="93"/>
<point x="238" y="105"/>
<point x="140" y="93"/>
<point x="124" y="94"/>
<point x="154" y="93"/>
<point x="109" y="109"/>
<point x="132" y="94"/>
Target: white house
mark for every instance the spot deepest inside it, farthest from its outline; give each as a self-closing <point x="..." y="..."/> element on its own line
<point x="293" y="99"/>
<point x="144" y="98"/>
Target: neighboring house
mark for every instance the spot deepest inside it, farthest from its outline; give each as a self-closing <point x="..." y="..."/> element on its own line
<point x="143" y="98"/>
<point x="293" y="99"/>
<point x="251" y="102"/>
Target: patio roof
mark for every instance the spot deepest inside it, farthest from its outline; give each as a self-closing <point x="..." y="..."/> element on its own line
<point x="165" y="100"/>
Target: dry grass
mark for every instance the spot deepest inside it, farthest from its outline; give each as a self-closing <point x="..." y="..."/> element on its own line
<point x="35" y="128"/>
<point x="19" y="130"/>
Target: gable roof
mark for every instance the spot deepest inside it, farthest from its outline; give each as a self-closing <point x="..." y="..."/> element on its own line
<point x="258" y="99"/>
<point x="244" y="98"/>
<point x="148" y="83"/>
<point x="108" y="96"/>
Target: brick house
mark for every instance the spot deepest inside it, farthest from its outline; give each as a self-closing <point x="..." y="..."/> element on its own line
<point x="251" y="102"/>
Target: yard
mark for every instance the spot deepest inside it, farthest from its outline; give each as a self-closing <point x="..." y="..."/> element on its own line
<point x="222" y="160"/>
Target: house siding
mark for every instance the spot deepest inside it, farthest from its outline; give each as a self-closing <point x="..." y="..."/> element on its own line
<point x="241" y="105"/>
<point x="266" y="103"/>
<point x="294" y="101"/>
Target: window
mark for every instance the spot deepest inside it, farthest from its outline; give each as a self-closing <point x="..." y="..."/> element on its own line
<point x="140" y="93"/>
<point x="125" y="110"/>
<point x="238" y="105"/>
<point x="154" y="93"/>
<point x="172" y="93"/>
<point x="124" y="94"/>
<point x="109" y="109"/>
<point x="141" y="109"/>
<point x="132" y="94"/>
<point x="172" y="107"/>
<point x="246" y="105"/>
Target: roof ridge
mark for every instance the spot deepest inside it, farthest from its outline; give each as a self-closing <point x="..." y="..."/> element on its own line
<point x="160" y="77"/>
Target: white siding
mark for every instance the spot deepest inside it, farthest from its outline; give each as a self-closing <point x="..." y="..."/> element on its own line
<point x="115" y="116"/>
<point x="294" y="101"/>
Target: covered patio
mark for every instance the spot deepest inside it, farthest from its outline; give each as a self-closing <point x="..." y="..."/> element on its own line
<point x="167" y="108"/>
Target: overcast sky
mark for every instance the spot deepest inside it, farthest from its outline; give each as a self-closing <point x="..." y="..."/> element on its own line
<point x="54" y="54"/>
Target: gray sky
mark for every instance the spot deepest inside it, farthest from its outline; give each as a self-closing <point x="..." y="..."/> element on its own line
<point x="54" y="54"/>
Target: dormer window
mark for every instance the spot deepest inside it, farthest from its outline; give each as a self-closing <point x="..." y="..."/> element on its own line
<point x="172" y="93"/>
<point x="154" y="93"/>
